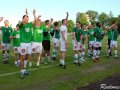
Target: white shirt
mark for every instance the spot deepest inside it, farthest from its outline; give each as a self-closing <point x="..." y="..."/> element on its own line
<point x="63" y="28"/>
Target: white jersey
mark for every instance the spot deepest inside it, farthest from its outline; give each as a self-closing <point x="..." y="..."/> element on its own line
<point x="63" y="28"/>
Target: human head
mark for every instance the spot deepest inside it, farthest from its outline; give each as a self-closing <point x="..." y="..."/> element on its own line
<point x="47" y="22"/>
<point x="6" y="22"/>
<point x="83" y="27"/>
<point x="77" y="24"/>
<point x="17" y="26"/>
<point x="56" y="24"/>
<point x="64" y="21"/>
<point x="98" y="24"/>
<point x="25" y="19"/>
<point x="91" y="26"/>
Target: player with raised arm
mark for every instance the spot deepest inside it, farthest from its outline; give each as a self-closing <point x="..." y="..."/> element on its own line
<point x="63" y="41"/>
<point x="114" y="40"/>
<point x="25" y="42"/>
<point x="46" y="41"/>
<point x="56" y="35"/>
<point x="98" y="33"/>
<point x="37" y="39"/>
<point x="109" y="36"/>
<point x="6" y="31"/>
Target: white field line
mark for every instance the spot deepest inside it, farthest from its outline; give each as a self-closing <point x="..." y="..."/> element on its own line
<point x="6" y="74"/>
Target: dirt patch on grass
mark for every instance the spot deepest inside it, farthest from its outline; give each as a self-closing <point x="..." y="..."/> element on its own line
<point x="100" y="67"/>
<point x="110" y="83"/>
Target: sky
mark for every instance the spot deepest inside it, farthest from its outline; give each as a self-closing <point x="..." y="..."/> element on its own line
<point x="13" y="10"/>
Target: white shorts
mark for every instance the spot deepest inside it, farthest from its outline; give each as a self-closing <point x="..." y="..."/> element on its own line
<point x="83" y="46"/>
<point x="25" y="48"/>
<point x="77" y="46"/>
<point x="113" y="44"/>
<point x="55" y="42"/>
<point x="37" y="47"/>
<point x="16" y="49"/>
<point x="52" y="39"/>
<point x="100" y="44"/>
<point x="62" y="45"/>
<point x="5" y="46"/>
<point x="91" y="44"/>
<point x="96" y="44"/>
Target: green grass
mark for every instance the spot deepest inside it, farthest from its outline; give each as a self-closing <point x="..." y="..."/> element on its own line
<point x="55" y="78"/>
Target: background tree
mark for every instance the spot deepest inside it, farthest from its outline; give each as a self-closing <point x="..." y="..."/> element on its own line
<point x="103" y="18"/>
<point x="93" y="15"/>
<point x="70" y="25"/>
<point x="110" y="14"/>
<point x="82" y="18"/>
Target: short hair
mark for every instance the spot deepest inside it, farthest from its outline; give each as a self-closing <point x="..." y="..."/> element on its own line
<point x="17" y="25"/>
<point x="98" y="24"/>
<point x="6" y="20"/>
<point x="56" y="23"/>
<point x="47" y="21"/>
<point x="24" y="16"/>
<point x="78" y="22"/>
<point x="63" y="20"/>
<point x="39" y="20"/>
<point x="82" y="25"/>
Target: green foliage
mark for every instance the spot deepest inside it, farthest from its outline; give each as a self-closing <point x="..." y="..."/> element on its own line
<point x="43" y="23"/>
<point x="70" y="25"/>
<point x="103" y="18"/>
<point x="93" y="15"/>
<point x="82" y="18"/>
<point x="60" y="22"/>
<point x="110" y="14"/>
<point x="112" y="20"/>
<point x="118" y="24"/>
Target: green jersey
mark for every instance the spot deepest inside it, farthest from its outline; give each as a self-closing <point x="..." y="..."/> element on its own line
<point x="77" y="33"/>
<point x="84" y="33"/>
<point x="56" y="34"/>
<point x="6" y="34"/>
<point x="109" y="34"/>
<point x="114" y="35"/>
<point x="47" y="36"/>
<point x="16" y="40"/>
<point x="98" y="32"/>
<point x="26" y="32"/>
<point x="91" y="35"/>
<point x="38" y="34"/>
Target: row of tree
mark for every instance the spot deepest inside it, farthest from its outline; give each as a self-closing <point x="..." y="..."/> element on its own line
<point x="91" y="17"/>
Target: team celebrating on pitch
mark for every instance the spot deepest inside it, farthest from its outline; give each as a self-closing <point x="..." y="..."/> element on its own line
<point x="30" y="38"/>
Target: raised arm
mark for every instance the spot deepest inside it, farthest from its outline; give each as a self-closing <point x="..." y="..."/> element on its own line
<point x="112" y="25"/>
<point x="35" y="18"/>
<point x="26" y="11"/>
<point x="38" y="17"/>
<point x="67" y="16"/>
<point x="1" y="19"/>
<point x="51" y="21"/>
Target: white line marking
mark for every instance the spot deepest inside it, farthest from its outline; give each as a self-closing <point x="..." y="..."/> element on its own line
<point x="6" y="74"/>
